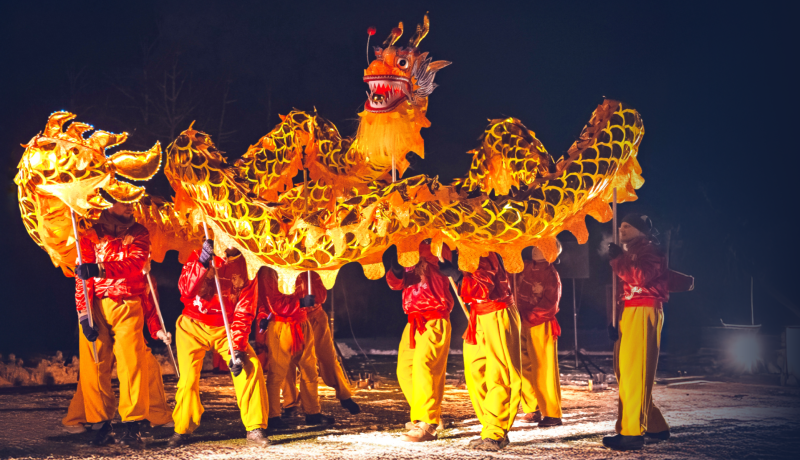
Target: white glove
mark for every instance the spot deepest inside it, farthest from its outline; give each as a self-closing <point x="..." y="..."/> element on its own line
<point x="165" y="337"/>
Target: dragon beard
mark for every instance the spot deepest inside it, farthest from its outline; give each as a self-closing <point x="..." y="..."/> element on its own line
<point x="383" y="136"/>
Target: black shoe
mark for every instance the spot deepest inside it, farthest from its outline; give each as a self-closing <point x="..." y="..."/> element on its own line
<point x="276" y="423"/>
<point x="491" y="445"/>
<point x="132" y="437"/>
<point x="550" y="421"/>
<point x="177" y="440"/>
<point x="620" y="442"/>
<point x="319" y="419"/>
<point x="290" y="412"/>
<point x="655" y="437"/>
<point x="474" y="443"/>
<point x="104" y="436"/>
<point x="258" y="437"/>
<point x="350" y="405"/>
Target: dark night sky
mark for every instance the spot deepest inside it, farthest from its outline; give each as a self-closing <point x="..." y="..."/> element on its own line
<point x="710" y="79"/>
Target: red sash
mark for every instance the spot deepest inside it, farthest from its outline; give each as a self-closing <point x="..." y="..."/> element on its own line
<point x="479" y="308"/>
<point x="418" y="320"/>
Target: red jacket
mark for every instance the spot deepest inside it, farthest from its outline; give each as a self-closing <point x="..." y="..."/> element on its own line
<point x="424" y="288"/>
<point x="538" y="293"/>
<point x="201" y="303"/>
<point x="644" y="274"/>
<point x="426" y="292"/>
<point x="486" y="290"/>
<point x="286" y="307"/>
<point x="121" y="252"/>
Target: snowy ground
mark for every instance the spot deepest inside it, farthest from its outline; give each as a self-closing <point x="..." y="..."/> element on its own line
<point x="719" y="420"/>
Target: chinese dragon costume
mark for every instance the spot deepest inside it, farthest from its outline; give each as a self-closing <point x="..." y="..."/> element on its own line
<point x="349" y="209"/>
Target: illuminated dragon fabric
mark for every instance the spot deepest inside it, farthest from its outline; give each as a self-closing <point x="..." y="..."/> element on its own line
<point x="349" y="209"/>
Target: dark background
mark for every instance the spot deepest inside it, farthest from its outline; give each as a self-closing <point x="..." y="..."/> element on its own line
<point x="711" y="80"/>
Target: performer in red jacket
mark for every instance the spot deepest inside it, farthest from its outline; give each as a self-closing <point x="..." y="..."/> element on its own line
<point x="330" y="370"/>
<point x="159" y="413"/>
<point x="201" y="328"/>
<point x="642" y="269"/>
<point x="491" y="349"/>
<point x="422" y="357"/>
<point x="290" y="342"/>
<point x="538" y="293"/>
<point x="114" y="252"/>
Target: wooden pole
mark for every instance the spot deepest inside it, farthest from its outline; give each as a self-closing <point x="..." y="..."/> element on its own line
<point x="83" y="282"/>
<point x="163" y="326"/>
<point x="221" y="301"/>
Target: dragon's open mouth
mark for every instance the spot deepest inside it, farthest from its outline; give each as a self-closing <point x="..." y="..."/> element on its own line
<point x="385" y="92"/>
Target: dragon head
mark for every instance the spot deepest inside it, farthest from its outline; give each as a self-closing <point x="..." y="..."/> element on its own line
<point x="401" y="74"/>
<point x="400" y="80"/>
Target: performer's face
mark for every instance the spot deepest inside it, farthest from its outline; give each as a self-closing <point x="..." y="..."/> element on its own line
<point x="628" y="232"/>
<point x="122" y="210"/>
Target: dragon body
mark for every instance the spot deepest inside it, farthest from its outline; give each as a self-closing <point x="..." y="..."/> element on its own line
<point x="350" y="209"/>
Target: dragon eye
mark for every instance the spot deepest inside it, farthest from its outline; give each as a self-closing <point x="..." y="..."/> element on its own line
<point x="402" y="63"/>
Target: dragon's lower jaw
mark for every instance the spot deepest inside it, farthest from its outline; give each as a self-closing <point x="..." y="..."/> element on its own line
<point x="386" y="92"/>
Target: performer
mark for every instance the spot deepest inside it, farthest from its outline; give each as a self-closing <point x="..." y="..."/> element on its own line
<point x="201" y="328"/>
<point x="290" y="342"/>
<point x="491" y="349"/>
<point x="538" y="292"/>
<point x="643" y="270"/>
<point x="159" y="412"/>
<point x="422" y="357"/>
<point x="327" y="363"/>
<point x="114" y="252"/>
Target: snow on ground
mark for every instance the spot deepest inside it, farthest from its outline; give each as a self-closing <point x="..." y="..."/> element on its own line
<point x="718" y="420"/>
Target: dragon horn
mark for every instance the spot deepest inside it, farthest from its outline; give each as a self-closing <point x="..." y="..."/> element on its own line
<point x="422" y="32"/>
<point x="397" y="32"/>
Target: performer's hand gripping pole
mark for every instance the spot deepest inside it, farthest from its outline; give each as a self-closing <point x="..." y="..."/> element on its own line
<point x="163" y="326"/>
<point x="613" y="275"/>
<point x="219" y="295"/>
<point x="83" y="282"/>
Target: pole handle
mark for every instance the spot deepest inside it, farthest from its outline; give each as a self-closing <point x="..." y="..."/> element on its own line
<point x="613" y="275"/>
<point x="83" y="282"/>
<point x="161" y="319"/>
<point x="219" y="296"/>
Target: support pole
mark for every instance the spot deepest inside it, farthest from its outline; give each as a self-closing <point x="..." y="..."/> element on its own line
<point x="163" y="326"/>
<point x="83" y="282"/>
<point x="613" y="276"/>
<point x="752" y="314"/>
<point x="455" y="291"/>
<point x="219" y="295"/>
<point x="575" y="320"/>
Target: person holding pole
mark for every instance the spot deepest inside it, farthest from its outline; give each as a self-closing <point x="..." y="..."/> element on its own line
<point x="491" y="348"/>
<point x="201" y="327"/>
<point x="159" y="413"/>
<point x="422" y="356"/>
<point x="642" y="268"/>
<point x="538" y="292"/>
<point x="329" y="368"/>
<point x="290" y="342"/>
<point x="111" y="257"/>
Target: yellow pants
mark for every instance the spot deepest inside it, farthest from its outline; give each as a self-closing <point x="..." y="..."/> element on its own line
<point x="635" y="361"/>
<point x="193" y="340"/>
<point x="119" y="327"/>
<point x="541" y="380"/>
<point x="492" y="371"/>
<point x="281" y="360"/>
<point x="329" y="368"/>
<point x="421" y="371"/>
<point x="159" y="413"/>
